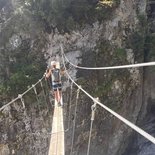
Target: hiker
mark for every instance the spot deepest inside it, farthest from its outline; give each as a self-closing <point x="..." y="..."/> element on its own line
<point x="55" y="74"/>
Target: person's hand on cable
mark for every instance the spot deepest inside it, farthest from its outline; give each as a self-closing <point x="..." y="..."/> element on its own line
<point x="48" y="72"/>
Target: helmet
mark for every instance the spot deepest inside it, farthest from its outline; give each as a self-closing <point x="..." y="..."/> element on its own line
<point x="53" y="63"/>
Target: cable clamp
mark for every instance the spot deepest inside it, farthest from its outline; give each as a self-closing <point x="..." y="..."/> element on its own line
<point x="78" y="91"/>
<point x="20" y="96"/>
<point x="71" y="85"/>
<point x="41" y="83"/>
<point x="44" y="74"/>
<point x="34" y="88"/>
<point x="93" y="108"/>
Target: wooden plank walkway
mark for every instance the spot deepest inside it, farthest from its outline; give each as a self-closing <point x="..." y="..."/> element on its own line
<point x="57" y="135"/>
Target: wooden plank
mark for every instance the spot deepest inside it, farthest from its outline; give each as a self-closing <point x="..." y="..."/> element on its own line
<point x="57" y="135"/>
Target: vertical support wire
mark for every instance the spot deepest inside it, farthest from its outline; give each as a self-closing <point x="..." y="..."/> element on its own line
<point x="70" y="99"/>
<point x="74" y="123"/>
<point x="22" y="100"/>
<point x="57" y="134"/>
<point x="35" y="91"/>
<point x="48" y="89"/>
<point x="41" y="84"/>
<point x="49" y="86"/>
<point x="25" y="114"/>
<point x="93" y="108"/>
<point x="46" y="84"/>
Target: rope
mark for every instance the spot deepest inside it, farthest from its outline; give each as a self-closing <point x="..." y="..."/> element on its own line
<point x="112" y="67"/>
<point x="74" y="123"/>
<point x="47" y="90"/>
<point x="19" y="96"/>
<point x="133" y="126"/>
<point x="41" y="84"/>
<point x="22" y="100"/>
<point x="70" y="99"/>
<point x="28" y="128"/>
<point x="93" y="108"/>
<point x="57" y="130"/>
<point x="47" y="86"/>
<point x="35" y="91"/>
<point x="4" y="106"/>
<point x="58" y="96"/>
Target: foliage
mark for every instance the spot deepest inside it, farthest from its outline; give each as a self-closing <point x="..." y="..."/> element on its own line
<point x="103" y="89"/>
<point x="121" y="53"/>
<point x="102" y="82"/>
<point x="2" y="3"/>
<point x="24" y="64"/>
<point x="109" y="54"/>
<point x="142" y="22"/>
<point x="24" y="71"/>
<point x="64" y="15"/>
<point x="116" y="2"/>
<point x="136" y="40"/>
<point x="151" y="43"/>
<point x="110" y="2"/>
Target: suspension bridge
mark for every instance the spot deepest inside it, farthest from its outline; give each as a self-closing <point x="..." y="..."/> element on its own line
<point x="57" y="134"/>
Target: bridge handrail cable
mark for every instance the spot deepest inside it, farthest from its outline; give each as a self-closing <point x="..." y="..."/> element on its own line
<point x="20" y="95"/>
<point x="111" y="67"/>
<point x="133" y="126"/>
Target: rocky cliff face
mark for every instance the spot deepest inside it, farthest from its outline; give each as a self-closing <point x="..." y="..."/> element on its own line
<point x="22" y="131"/>
<point x="25" y="131"/>
<point x="21" y="50"/>
<point x="116" y="41"/>
<point x="105" y="44"/>
<point x="138" y="144"/>
<point x="119" y="39"/>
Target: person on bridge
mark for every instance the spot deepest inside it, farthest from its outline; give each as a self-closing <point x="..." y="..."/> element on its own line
<point x="55" y="73"/>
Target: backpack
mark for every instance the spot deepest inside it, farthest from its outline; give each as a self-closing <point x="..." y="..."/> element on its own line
<point x="56" y="75"/>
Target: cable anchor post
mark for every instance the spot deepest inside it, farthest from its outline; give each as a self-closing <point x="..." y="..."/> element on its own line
<point x="20" y="96"/>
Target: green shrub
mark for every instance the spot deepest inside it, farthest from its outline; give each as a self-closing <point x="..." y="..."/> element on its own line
<point x="121" y="53"/>
<point x="65" y="14"/>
